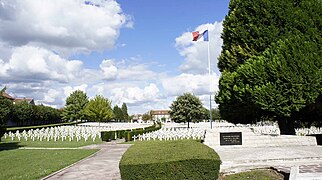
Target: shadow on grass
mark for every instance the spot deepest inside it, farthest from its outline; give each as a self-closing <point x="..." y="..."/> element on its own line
<point x="9" y="145"/>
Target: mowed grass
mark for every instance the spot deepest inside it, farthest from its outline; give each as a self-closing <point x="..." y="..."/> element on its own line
<point x="182" y="159"/>
<point x="8" y="143"/>
<point x="35" y="164"/>
<point x="264" y="174"/>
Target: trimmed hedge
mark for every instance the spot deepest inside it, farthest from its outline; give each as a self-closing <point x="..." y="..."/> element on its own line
<point x="128" y="134"/>
<point x="181" y="159"/>
<point x="40" y="126"/>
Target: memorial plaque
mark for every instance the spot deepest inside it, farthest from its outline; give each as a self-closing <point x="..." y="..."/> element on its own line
<point x="231" y="138"/>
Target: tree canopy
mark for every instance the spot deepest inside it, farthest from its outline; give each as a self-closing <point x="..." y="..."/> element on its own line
<point x="75" y="104"/>
<point x="187" y="108"/>
<point x="5" y="112"/>
<point x="271" y="61"/>
<point x="99" y="109"/>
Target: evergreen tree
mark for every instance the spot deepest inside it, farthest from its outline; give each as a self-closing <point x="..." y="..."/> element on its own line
<point x="125" y="113"/>
<point x="262" y="31"/>
<point x="118" y="114"/>
<point x="75" y="104"/>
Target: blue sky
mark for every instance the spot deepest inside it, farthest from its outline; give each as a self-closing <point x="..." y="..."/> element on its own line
<point x="138" y="52"/>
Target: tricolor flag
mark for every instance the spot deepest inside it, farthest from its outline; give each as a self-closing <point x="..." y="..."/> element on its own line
<point x="196" y="36"/>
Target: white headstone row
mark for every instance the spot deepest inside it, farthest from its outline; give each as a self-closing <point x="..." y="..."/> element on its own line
<point x="172" y="134"/>
<point x="62" y="133"/>
<point x="308" y="131"/>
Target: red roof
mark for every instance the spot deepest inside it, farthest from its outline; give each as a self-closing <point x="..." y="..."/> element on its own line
<point x="4" y="94"/>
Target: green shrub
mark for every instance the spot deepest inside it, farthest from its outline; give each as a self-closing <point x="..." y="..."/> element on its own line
<point x="182" y="159"/>
<point x="105" y="135"/>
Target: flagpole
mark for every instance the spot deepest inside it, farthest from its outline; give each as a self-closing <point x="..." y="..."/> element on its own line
<point x="209" y="81"/>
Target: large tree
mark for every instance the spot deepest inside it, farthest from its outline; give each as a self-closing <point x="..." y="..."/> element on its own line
<point x="75" y="104"/>
<point x="124" y="112"/>
<point x="258" y="38"/>
<point x="187" y="108"/>
<point x="118" y="114"/>
<point x="99" y="109"/>
<point x="5" y="112"/>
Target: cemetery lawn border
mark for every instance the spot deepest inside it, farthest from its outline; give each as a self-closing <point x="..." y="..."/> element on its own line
<point x="180" y="159"/>
<point x="268" y="174"/>
<point x="8" y="144"/>
<point x="21" y="128"/>
<point x="35" y="164"/>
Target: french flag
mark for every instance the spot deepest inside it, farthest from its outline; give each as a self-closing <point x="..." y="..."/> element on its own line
<point x="196" y="36"/>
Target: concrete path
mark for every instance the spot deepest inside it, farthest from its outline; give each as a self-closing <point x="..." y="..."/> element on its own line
<point x="102" y="165"/>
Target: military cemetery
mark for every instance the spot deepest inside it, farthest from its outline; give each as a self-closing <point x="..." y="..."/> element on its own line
<point x="144" y="90"/>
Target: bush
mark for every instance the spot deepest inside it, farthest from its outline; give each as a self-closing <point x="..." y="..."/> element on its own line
<point x="128" y="134"/>
<point x="183" y="159"/>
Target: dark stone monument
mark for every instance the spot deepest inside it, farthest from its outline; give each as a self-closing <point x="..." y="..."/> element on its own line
<point x="231" y="138"/>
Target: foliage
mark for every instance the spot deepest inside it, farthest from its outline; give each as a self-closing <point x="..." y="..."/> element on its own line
<point x="256" y="174"/>
<point x="75" y="104"/>
<point x="187" y="108"/>
<point x="182" y="159"/>
<point x="45" y="115"/>
<point x="21" y="128"/>
<point x="5" y="112"/>
<point x="23" y="112"/>
<point x="271" y="61"/>
<point x="35" y="164"/>
<point x="99" y="109"/>
<point x="128" y="134"/>
<point x="118" y="114"/>
<point x="125" y="113"/>
<point x="146" y="117"/>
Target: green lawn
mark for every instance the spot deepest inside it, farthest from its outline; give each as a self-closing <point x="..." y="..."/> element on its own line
<point x="182" y="159"/>
<point x="267" y="174"/>
<point x="49" y="144"/>
<point x="34" y="164"/>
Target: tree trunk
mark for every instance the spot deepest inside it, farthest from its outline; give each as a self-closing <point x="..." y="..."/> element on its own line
<point x="286" y="126"/>
<point x="188" y="124"/>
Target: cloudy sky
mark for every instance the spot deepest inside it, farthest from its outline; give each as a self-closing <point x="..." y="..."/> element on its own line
<point x="138" y="52"/>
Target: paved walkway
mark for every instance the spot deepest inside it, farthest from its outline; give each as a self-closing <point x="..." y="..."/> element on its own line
<point x="102" y="165"/>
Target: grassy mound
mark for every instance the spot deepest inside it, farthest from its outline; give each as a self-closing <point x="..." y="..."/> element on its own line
<point x="182" y="159"/>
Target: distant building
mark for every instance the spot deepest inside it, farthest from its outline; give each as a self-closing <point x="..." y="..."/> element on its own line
<point x="28" y="100"/>
<point x="16" y="100"/>
<point x="4" y="94"/>
<point x="160" y="115"/>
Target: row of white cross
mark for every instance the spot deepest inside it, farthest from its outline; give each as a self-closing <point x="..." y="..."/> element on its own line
<point x="308" y="131"/>
<point x="62" y="133"/>
<point x="172" y="134"/>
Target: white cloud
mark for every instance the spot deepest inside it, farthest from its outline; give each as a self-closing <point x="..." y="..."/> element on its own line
<point x="196" y="53"/>
<point x="65" y="26"/>
<point x="135" y="95"/>
<point x="29" y="63"/>
<point x="109" y="69"/>
<point x="196" y="84"/>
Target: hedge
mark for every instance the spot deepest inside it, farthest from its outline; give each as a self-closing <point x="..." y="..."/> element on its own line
<point x="128" y="134"/>
<point x="181" y="159"/>
<point x="40" y="126"/>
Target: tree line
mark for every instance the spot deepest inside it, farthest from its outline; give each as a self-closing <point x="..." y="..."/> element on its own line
<point x="98" y="109"/>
